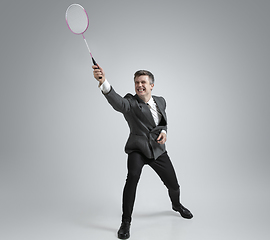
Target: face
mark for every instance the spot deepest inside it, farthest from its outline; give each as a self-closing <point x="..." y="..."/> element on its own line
<point x="143" y="87"/>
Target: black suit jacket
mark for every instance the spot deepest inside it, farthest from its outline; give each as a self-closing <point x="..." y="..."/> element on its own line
<point x="143" y="130"/>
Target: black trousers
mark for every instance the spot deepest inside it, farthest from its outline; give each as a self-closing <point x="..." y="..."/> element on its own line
<point x="162" y="166"/>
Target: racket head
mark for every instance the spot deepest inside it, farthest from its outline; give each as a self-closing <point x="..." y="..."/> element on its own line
<point x="77" y="19"/>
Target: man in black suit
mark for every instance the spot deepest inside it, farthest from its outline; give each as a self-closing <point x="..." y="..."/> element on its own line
<point x="146" y="118"/>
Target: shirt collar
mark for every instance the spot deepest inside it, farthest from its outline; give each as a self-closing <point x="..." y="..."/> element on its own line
<point x="151" y="102"/>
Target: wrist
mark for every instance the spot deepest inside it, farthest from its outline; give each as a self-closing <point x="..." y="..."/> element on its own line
<point x="101" y="81"/>
<point x="105" y="87"/>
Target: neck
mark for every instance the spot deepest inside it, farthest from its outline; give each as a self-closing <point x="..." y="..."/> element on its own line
<point x="145" y="98"/>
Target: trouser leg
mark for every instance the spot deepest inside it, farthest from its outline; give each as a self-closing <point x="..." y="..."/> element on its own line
<point x="164" y="168"/>
<point x="135" y="164"/>
<point x="175" y="197"/>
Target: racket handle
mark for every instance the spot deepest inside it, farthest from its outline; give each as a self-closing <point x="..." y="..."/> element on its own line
<point x="95" y="63"/>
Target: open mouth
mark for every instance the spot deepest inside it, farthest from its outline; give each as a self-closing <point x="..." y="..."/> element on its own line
<point x="141" y="90"/>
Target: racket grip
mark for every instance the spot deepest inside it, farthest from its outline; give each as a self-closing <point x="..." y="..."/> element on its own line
<point x="95" y="63"/>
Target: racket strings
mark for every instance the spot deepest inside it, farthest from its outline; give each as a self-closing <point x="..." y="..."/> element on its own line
<point x="77" y="19"/>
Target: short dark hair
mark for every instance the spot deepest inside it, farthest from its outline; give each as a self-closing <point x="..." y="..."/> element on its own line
<point x="147" y="73"/>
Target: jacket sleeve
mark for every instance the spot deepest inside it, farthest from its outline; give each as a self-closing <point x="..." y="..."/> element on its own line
<point x="120" y="104"/>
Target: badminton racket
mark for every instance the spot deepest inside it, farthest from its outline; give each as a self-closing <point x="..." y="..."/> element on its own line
<point x="77" y="21"/>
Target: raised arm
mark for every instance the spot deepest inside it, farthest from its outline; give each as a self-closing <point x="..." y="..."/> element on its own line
<point x="119" y="103"/>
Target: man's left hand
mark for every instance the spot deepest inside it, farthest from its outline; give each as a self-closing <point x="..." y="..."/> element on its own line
<point x="162" y="138"/>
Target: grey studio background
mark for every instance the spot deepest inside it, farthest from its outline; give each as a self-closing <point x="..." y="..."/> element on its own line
<point x="62" y="166"/>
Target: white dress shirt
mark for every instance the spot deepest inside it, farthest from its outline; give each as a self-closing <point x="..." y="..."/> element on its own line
<point x="154" y="110"/>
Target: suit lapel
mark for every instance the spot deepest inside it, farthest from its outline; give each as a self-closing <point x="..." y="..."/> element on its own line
<point x="146" y="113"/>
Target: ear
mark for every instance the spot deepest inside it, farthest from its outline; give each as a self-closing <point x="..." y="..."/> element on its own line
<point x="151" y="86"/>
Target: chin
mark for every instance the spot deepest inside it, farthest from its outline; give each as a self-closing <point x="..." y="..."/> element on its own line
<point x="142" y="93"/>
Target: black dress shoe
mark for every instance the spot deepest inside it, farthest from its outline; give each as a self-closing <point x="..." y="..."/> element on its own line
<point x="123" y="232"/>
<point x="185" y="213"/>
